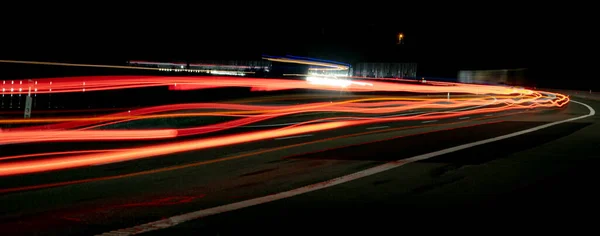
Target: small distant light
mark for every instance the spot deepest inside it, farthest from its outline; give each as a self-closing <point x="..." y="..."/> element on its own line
<point x="12" y="82"/>
<point x="84" y="90"/>
<point x="21" y="82"/>
<point x="35" y="82"/>
<point x="129" y="111"/>
<point x="83" y="83"/>
<point x="50" y="90"/>
<point x="36" y="89"/>
<point x="50" y="82"/>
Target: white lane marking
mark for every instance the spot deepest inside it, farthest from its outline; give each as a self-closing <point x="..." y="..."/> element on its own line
<point x="378" y="127"/>
<point x="489" y="115"/>
<point x="175" y="220"/>
<point x="291" y="137"/>
<point x="429" y="121"/>
<point x="462" y="118"/>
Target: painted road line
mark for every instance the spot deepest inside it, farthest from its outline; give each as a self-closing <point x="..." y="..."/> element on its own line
<point x="297" y="136"/>
<point x="378" y="127"/>
<point x="429" y="121"/>
<point x="489" y="115"/>
<point x="175" y="220"/>
<point x="464" y="118"/>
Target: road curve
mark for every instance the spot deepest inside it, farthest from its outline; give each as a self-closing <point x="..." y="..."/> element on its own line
<point x="125" y="194"/>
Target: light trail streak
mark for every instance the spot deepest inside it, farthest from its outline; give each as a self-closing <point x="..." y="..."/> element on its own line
<point x="308" y="62"/>
<point x="73" y="64"/>
<point x="57" y="153"/>
<point x="200" y="163"/>
<point x="84" y="135"/>
<point x="164" y="149"/>
<point x="32" y="166"/>
<point x="99" y="83"/>
<point x="376" y="108"/>
<point x="31" y="135"/>
<point x="353" y="112"/>
<point x="344" y="106"/>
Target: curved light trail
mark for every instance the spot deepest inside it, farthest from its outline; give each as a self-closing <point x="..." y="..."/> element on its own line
<point x="100" y="83"/>
<point x="469" y="99"/>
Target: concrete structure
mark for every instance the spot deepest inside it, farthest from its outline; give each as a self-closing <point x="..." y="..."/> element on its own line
<point x="385" y="70"/>
<point x="231" y="67"/>
<point x="514" y="77"/>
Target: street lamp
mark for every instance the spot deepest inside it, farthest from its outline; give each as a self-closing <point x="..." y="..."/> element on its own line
<point x="400" y="38"/>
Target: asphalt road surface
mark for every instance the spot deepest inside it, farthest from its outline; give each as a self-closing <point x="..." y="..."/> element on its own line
<point x="544" y="173"/>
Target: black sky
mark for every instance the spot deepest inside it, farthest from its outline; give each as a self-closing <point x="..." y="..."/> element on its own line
<point x="552" y="48"/>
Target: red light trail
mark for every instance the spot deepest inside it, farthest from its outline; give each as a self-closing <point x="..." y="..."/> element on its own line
<point x="474" y="99"/>
<point x="100" y="83"/>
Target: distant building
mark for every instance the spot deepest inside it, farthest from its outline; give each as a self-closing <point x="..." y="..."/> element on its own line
<point x="513" y="77"/>
<point x="286" y="66"/>
<point x="231" y="67"/>
<point x="385" y="70"/>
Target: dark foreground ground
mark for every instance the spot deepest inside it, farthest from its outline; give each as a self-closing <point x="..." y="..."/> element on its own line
<point x="543" y="182"/>
<point x="538" y="181"/>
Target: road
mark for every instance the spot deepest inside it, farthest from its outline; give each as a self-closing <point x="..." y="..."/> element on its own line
<point x="400" y="163"/>
<point x="102" y="206"/>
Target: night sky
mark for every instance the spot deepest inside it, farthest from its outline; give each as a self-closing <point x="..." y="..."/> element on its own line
<point x="552" y="50"/>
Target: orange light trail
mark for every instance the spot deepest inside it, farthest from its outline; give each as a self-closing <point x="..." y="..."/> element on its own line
<point x="84" y="135"/>
<point x="177" y="167"/>
<point x="23" y="167"/>
<point x="99" y="83"/>
<point x="57" y="153"/>
<point x="30" y="134"/>
<point x="363" y="106"/>
<point x="353" y="112"/>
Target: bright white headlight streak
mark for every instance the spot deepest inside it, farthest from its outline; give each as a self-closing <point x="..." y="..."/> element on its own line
<point x="334" y="82"/>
